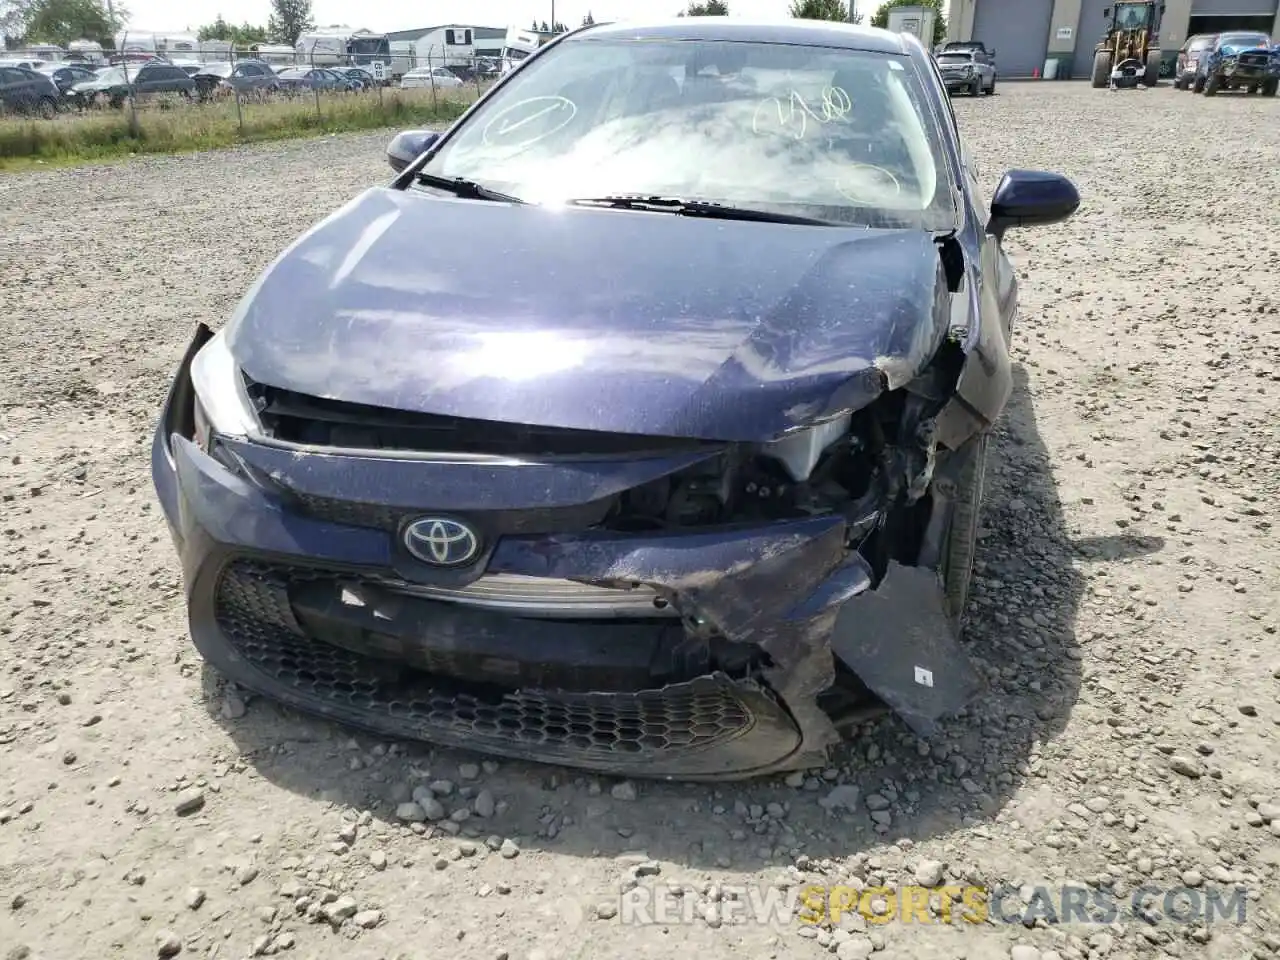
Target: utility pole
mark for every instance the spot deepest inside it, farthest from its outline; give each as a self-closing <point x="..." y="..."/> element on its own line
<point x="553" y="17"/>
<point x="853" y="11"/>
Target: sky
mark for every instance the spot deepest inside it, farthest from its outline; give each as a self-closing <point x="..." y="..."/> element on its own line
<point x="388" y="15"/>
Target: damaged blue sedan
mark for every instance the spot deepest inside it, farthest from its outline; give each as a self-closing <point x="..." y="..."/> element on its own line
<point x="638" y="425"/>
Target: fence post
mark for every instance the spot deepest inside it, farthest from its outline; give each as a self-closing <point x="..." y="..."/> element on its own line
<point x="134" y="129"/>
<point x="475" y="72"/>
<point x="314" y="88"/>
<point x="432" y="77"/>
<point x="239" y="110"/>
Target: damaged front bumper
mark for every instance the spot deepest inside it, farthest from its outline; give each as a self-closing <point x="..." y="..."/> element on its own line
<point x="324" y="610"/>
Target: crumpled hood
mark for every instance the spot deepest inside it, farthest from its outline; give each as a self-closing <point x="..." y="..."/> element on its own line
<point x="609" y="320"/>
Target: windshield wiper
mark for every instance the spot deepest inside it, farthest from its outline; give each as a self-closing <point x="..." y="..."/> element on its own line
<point x="696" y="208"/>
<point x="467" y="189"/>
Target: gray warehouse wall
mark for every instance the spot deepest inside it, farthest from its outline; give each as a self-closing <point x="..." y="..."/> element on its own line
<point x="1093" y="27"/>
<point x="1018" y="30"/>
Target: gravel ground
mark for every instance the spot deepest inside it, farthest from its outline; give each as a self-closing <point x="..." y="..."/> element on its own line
<point x="1126" y="607"/>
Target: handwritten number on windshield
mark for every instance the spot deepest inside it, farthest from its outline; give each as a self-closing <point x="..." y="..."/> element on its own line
<point x="793" y="114"/>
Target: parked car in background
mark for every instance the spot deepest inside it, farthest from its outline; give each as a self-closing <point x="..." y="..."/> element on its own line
<point x="23" y="64"/>
<point x="115" y="85"/>
<point x="1240" y="60"/>
<point x="437" y="77"/>
<point x="28" y="92"/>
<point x="362" y="78"/>
<point x="970" y="71"/>
<point x="296" y="79"/>
<point x="67" y="75"/>
<point x="244" y="77"/>
<point x="691" y="519"/>
<point x="189" y="67"/>
<point x="1184" y="71"/>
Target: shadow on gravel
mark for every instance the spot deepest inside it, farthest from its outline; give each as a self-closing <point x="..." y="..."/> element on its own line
<point x="1021" y="632"/>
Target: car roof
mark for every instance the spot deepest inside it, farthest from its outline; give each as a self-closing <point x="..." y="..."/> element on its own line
<point x="817" y="33"/>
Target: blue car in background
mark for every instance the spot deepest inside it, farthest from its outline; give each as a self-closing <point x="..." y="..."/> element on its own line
<point x="1241" y="60"/>
<point x="679" y="477"/>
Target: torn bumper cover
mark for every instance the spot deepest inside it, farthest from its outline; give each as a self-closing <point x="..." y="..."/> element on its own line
<point x="709" y="659"/>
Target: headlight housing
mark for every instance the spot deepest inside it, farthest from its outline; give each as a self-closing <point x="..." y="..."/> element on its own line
<point x="221" y="404"/>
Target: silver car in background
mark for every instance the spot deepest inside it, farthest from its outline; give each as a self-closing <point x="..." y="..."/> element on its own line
<point x="969" y="71"/>
<point x="431" y="77"/>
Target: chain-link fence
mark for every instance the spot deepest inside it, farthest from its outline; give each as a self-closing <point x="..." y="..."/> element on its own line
<point x="136" y="80"/>
<point x="175" y="102"/>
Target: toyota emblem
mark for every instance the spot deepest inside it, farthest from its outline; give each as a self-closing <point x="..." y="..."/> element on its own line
<point x="441" y="542"/>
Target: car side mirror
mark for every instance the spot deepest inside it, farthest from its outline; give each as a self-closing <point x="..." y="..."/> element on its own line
<point x="407" y="146"/>
<point x="1031" y="198"/>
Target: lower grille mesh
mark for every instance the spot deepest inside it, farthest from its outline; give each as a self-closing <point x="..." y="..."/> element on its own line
<point x="255" y="616"/>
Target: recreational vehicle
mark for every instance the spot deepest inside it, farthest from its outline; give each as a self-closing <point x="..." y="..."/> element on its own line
<point x="451" y="46"/>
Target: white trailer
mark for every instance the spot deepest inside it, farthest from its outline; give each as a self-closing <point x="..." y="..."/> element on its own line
<point x="451" y="46"/>
<point x="518" y="45"/>
<point x="274" y="52"/>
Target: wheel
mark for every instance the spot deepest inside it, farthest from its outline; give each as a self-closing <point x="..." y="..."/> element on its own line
<point x="1152" y="76"/>
<point x="975" y="88"/>
<point x="46" y="108"/>
<point x="1212" y="86"/>
<point x="1197" y="85"/>
<point x="991" y="90"/>
<point x="969" y="472"/>
<point x="1269" y="87"/>
<point x="1101" y="69"/>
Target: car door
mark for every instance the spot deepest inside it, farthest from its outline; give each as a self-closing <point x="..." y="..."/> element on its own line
<point x="144" y="82"/>
<point x="14" y="90"/>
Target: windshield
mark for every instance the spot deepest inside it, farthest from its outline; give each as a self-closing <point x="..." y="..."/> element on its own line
<point x="828" y="133"/>
<point x="295" y="73"/>
<point x="1243" y="41"/>
<point x="956" y="58"/>
<point x="114" y="75"/>
<point x="217" y="69"/>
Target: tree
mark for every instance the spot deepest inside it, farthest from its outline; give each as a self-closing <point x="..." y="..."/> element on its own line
<point x="59" y="21"/>
<point x="881" y="18"/>
<point x="712" y="8"/>
<point x="288" y="19"/>
<point x="242" y="36"/>
<point x="823" y="10"/>
<point x="588" y="20"/>
<point x="559" y="27"/>
<point x="543" y="27"/>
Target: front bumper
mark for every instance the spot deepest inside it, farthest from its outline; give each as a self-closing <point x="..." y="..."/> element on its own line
<point x="322" y="609"/>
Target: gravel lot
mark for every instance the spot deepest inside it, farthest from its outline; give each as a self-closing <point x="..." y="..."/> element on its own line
<point x="1126" y="609"/>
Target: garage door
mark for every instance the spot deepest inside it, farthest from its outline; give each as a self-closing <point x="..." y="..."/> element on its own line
<point x="1018" y="30"/>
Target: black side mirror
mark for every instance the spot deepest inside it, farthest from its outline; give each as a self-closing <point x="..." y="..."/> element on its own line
<point x="407" y="146"/>
<point x="1031" y="198"/>
<point x="1106" y="12"/>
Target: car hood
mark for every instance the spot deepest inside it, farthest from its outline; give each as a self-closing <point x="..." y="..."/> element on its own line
<point x="611" y="320"/>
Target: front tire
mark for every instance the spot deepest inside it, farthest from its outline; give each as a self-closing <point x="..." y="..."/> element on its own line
<point x="47" y="108"/>
<point x="1269" y="87"/>
<point x="1197" y="85"/>
<point x="1101" y="69"/>
<point x="1212" y="86"/>
<point x="1152" y="77"/>
<point x="961" y="543"/>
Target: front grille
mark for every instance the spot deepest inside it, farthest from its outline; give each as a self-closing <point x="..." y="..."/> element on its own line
<point x="658" y="728"/>
<point x="377" y="516"/>
<point x="317" y="421"/>
<point x="1254" y="60"/>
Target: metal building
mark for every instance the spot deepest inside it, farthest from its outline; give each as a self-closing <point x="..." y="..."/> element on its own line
<point x="1026" y="33"/>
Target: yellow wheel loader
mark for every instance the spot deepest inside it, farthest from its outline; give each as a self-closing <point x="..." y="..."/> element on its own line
<point x="1130" y="52"/>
